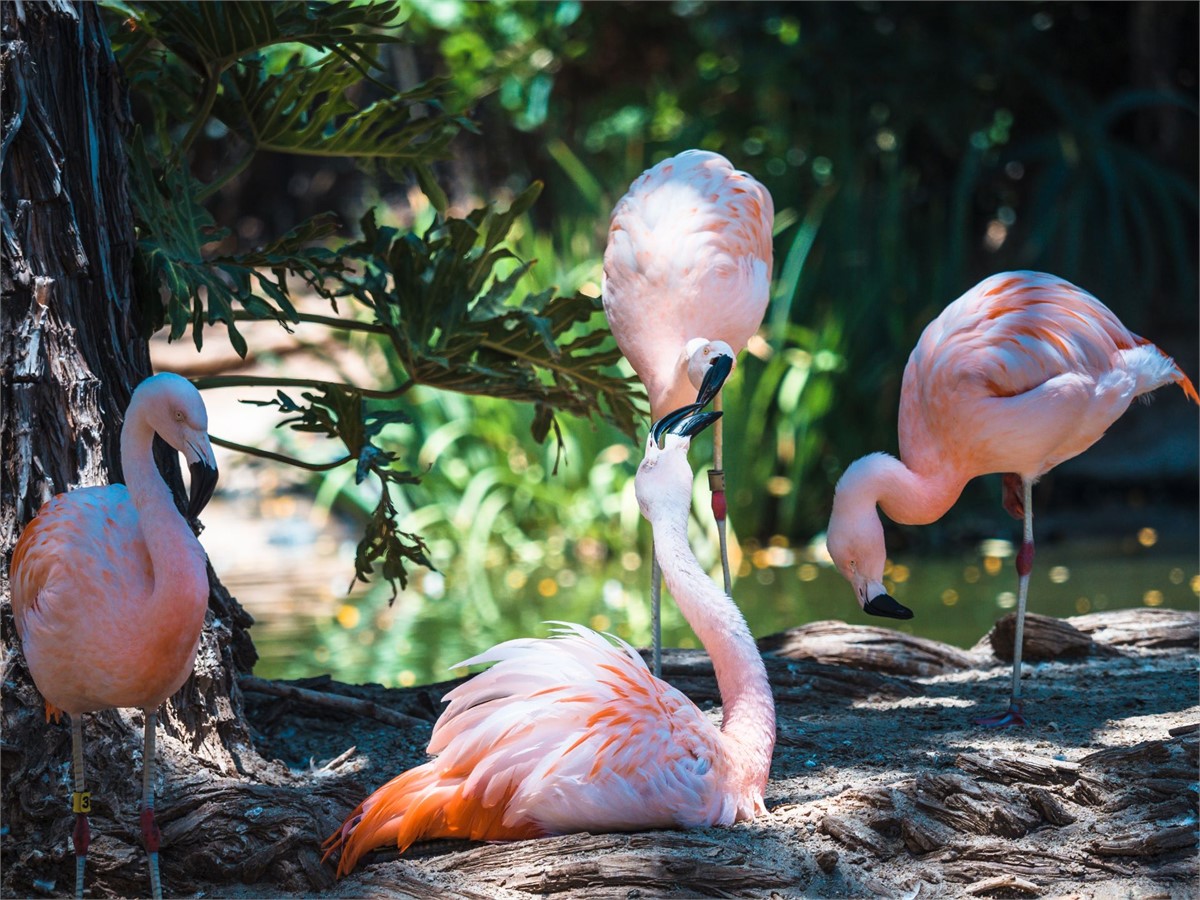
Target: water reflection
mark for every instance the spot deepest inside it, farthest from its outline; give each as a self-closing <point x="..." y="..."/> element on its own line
<point x="440" y="620"/>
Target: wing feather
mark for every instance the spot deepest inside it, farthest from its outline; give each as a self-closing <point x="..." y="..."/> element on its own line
<point x="565" y="734"/>
<point x="1019" y="373"/>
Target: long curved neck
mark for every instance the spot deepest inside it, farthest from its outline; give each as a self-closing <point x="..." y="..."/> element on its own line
<point x="175" y="554"/>
<point x="905" y="496"/>
<point x="749" y="711"/>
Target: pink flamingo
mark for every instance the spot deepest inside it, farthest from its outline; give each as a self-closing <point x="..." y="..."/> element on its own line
<point x="110" y="588"/>
<point x="1023" y="371"/>
<point x="687" y="273"/>
<point x="573" y="733"/>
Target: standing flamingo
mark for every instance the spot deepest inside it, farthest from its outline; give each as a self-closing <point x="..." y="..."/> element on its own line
<point x="687" y="273"/>
<point x="110" y="587"/>
<point x="1023" y="371"/>
<point x="574" y="733"/>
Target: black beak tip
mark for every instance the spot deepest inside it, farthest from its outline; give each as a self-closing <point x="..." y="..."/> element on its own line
<point x="696" y="423"/>
<point x="670" y="421"/>
<point x="204" y="482"/>
<point x="687" y="421"/>
<point x="886" y="606"/>
<point x="714" y="379"/>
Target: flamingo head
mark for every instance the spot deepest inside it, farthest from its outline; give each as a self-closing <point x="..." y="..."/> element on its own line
<point x="177" y="414"/>
<point x="855" y="541"/>
<point x="664" y="479"/>
<point x="700" y="355"/>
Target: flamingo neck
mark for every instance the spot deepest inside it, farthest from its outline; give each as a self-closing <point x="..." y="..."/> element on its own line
<point x="905" y="496"/>
<point x="176" y="556"/>
<point x="748" y="724"/>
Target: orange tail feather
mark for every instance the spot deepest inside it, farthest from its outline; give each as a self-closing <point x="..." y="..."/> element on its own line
<point x="1188" y="388"/>
<point x="422" y="804"/>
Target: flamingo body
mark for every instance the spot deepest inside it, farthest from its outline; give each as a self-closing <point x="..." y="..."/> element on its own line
<point x="561" y="734"/>
<point x="1022" y="372"/>
<point x="82" y="582"/>
<point x="109" y="584"/>
<point x="574" y="733"/>
<point x="688" y="264"/>
<point x="110" y="589"/>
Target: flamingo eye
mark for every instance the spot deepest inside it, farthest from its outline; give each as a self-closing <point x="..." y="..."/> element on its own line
<point x="179" y="415"/>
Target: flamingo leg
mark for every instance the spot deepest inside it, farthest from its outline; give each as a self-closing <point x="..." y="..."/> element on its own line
<point x="81" y="802"/>
<point x="150" y="835"/>
<point x="655" y="612"/>
<point x="716" y="483"/>
<point x="1014" y="716"/>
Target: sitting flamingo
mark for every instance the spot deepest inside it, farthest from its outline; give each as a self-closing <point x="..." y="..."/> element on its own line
<point x="1021" y="372"/>
<point x="110" y="588"/>
<point x="573" y="733"/>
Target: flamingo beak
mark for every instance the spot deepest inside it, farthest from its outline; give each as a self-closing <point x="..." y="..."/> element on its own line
<point x="687" y="421"/>
<point x="885" y="605"/>
<point x="694" y="424"/>
<point x="204" y="482"/>
<point x="714" y="379"/>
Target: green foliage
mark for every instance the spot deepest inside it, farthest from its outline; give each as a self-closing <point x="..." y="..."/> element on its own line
<point x="174" y="229"/>
<point x="452" y="324"/>
<point x="303" y="79"/>
<point x="196" y="65"/>
<point x="901" y="174"/>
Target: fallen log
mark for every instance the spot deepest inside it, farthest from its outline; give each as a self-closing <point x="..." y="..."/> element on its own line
<point x="867" y="647"/>
<point x="1046" y="638"/>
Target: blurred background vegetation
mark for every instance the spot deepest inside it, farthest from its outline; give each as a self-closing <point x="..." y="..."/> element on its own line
<point x="912" y="149"/>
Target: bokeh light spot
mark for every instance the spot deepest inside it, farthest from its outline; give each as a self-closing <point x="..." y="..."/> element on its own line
<point x="347" y="615"/>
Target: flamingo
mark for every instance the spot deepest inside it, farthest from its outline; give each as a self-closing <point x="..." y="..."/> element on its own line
<point x="1020" y="373"/>
<point x="687" y="272"/>
<point x="110" y="588"/>
<point x="574" y="733"/>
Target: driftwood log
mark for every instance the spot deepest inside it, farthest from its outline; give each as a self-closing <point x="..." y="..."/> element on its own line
<point x="867" y="647"/>
<point x="1104" y="633"/>
<point x="1149" y="629"/>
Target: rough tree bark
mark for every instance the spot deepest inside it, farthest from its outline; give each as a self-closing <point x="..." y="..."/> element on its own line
<point x="72" y="354"/>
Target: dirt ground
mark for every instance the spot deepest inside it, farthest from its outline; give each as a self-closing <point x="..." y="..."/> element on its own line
<point x="880" y="785"/>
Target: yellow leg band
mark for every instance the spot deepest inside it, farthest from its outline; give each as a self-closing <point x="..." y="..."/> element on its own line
<point x="81" y="801"/>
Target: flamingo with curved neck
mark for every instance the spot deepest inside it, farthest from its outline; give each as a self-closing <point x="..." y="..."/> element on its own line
<point x="1022" y="372"/>
<point x="574" y="733"/>
<point x="687" y="276"/>
<point x="110" y="588"/>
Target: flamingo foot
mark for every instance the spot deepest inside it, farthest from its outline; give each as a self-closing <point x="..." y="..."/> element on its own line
<point x="1013" y="717"/>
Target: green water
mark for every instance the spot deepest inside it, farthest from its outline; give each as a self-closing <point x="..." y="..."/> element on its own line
<point x="956" y="599"/>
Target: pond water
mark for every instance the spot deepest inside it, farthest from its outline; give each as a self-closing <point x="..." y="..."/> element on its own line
<point x="443" y="618"/>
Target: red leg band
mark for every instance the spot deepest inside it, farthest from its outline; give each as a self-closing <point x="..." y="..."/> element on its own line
<point x="82" y="835"/>
<point x="1025" y="559"/>
<point x="150" y="833"/>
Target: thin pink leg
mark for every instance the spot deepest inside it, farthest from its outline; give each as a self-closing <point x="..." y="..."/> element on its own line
<point x="81" y="803"/>
<point x="1013" y="716"/>
<point x="150" y="835"/>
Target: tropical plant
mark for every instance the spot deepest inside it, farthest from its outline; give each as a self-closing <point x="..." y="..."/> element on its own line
<point x="305" y="79"/>
<point x="902" y="175"/>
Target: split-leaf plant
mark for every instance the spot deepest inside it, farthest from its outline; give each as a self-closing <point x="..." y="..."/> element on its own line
<point x="306" y="78"/>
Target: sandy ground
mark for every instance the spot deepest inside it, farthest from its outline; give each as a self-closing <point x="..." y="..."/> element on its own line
<point x="880" y="786"/>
